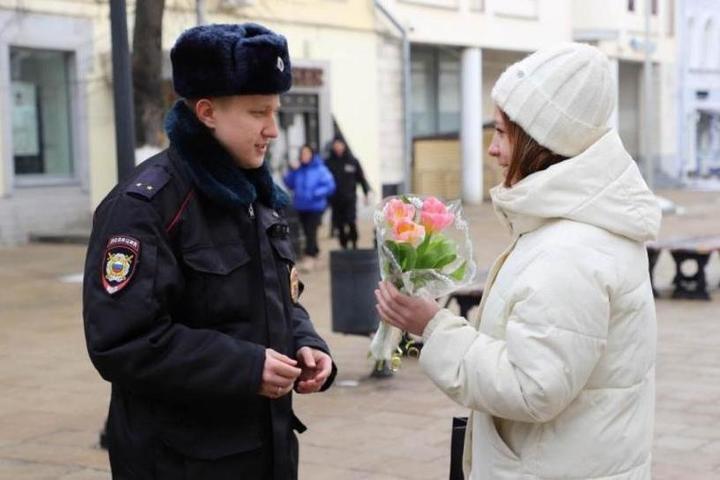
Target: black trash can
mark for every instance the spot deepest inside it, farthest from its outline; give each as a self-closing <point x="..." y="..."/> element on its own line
<point x="354" y="275"/>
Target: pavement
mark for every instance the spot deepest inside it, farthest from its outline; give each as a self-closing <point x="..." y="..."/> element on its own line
<point x="53" y="403"/>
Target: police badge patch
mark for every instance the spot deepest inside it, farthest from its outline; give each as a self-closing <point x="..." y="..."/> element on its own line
<point x="119" y="262"/>
<point x="294" y="285"/>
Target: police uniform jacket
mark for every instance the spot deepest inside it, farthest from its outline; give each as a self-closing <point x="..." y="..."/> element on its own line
<point x="189" y="278"/>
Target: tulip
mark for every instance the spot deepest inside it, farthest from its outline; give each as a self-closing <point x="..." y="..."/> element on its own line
<point x="407" y="231"/>
<point x="434" y="215"/>
<point x="396" y="210"/>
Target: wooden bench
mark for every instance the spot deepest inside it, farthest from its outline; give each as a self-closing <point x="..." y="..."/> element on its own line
<point x="686" y="249"/>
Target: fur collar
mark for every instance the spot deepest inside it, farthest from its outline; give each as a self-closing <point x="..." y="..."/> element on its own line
<point x="213" y="170"/>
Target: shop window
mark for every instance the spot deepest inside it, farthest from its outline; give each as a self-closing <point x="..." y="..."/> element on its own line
<point x="299" y="124"/>
<point x="41" y="115"/>
<point x="435" y="91"/>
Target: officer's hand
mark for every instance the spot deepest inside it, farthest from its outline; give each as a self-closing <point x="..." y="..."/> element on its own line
<point x="316" y="368"/>
<point x="279" y="374"/>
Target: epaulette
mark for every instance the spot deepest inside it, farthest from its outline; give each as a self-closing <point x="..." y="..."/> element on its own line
<point x="149" y="182"/>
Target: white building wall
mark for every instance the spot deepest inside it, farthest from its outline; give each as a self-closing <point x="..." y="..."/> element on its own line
<point x="391" y="112"/>
<point x="45" y="203"/>
<point x="699" y="92"/>
<point x="620" y="33"/>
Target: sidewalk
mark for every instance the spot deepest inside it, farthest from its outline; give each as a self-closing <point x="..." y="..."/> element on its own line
<point x="53" y="403"/>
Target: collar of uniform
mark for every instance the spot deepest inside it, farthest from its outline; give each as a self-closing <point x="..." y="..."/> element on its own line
<point x="212" y="168"/>
<point x="268" y="216"/>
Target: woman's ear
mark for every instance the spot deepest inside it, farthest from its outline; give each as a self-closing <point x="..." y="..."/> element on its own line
<point x="205" y="112"/>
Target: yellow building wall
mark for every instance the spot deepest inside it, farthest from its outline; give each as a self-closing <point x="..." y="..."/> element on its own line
<point x="339" y="33"/>
<point x="97" y="86"/>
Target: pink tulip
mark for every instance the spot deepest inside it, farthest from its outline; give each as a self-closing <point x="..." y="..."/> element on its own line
<point x="435" y="216"/>
<point x="396" y="210"/>
<point x="407" y="231"/>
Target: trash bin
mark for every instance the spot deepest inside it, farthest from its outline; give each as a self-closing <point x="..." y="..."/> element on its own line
<point x="354" y="275"/>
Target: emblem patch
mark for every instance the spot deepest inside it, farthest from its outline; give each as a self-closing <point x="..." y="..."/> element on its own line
<point x="294" y="284"/>
<point x="280" y="64"/>
<point x="120" y="260"/>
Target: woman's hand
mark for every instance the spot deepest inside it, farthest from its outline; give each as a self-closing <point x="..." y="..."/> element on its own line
<point x="411" y="314"/>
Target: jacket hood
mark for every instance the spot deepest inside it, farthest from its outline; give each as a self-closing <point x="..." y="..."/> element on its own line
<point x="602" y="186"/>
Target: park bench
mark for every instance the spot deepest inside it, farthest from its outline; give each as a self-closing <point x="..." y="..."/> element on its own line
<point x="686" y="249"/>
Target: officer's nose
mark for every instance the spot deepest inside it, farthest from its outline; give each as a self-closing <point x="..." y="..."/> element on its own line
<point x="271" y="130"/>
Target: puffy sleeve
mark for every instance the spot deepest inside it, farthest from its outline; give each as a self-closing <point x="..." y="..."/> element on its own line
<point x="556" y="331"/>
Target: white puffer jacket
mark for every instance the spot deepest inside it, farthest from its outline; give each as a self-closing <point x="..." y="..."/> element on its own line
<point x="559" y="367"/>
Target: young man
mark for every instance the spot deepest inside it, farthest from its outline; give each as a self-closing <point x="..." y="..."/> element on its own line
<point x="191" y="294"/>
<point x="348" y="173"/>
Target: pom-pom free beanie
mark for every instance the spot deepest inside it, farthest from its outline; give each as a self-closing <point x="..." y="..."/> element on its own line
<point x="562" y="96"/>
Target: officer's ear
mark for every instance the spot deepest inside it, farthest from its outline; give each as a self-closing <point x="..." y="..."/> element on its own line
<point x="205" y="110"/>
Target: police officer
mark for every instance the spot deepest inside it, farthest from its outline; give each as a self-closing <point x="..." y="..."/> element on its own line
<point x="191" y="294"/>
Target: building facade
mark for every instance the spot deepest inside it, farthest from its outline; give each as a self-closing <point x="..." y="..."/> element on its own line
<point x="699" y="94"/>
<point x="57" y="131"/>
<point x="460" y="48"/>
<point x="388" y="75"/>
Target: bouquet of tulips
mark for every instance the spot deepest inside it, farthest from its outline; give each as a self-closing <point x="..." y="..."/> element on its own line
<point x="425" y="249"/>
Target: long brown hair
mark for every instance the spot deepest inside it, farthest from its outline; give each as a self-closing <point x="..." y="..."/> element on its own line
<point x="528" y="156"/>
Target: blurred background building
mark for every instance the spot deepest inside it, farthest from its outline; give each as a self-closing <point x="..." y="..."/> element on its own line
<point x="698" y="133"/>
<point x="406" y="83"/>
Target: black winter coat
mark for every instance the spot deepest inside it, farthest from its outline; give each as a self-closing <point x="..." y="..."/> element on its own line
<point x="348" y="173"/>
<point x="181" y="297"/>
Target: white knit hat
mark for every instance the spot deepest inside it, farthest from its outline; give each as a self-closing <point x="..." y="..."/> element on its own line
<point x="562" y="96"/>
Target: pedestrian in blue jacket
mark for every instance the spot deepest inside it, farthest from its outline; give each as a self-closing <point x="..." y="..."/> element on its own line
<point x="312" y="184"/>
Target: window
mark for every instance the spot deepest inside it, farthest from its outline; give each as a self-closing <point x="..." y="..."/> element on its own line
<point x="435" y="3"/>
<point x="707" y="45"/>
<point x="631" y="5"/>
<point x="654" y="7"/>
<point x="448" y="93"/>
<point x="517" y="8"/>
<point x="691" y="52"/>
<point x="477" y="5"/>
<point x="435" y="91"/>
<point x="41" y="117"/>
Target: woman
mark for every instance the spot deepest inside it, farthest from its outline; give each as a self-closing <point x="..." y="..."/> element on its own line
<point x="312" y="184"/>
<point x="558" y="368"/>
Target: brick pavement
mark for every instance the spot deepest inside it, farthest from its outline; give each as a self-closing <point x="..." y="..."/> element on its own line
<point x="52" y="402"/>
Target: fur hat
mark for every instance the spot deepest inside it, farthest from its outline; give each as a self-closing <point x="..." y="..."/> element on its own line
<point x="562" y="96"/>
<point x="221" y="60"/>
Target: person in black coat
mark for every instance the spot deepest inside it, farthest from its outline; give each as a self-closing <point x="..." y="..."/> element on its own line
<point x="191" y="296"/>
<point x="348" y="174"/>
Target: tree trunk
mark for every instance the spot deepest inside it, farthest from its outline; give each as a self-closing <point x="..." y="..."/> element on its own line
<point x="147" y="60"/>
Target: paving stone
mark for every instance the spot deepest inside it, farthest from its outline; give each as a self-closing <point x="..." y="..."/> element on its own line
<point x="53" y="403"/>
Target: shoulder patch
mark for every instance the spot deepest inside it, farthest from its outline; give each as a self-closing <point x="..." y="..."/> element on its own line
<point x="120" y="260"/>
<point x="149" y="182"/>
